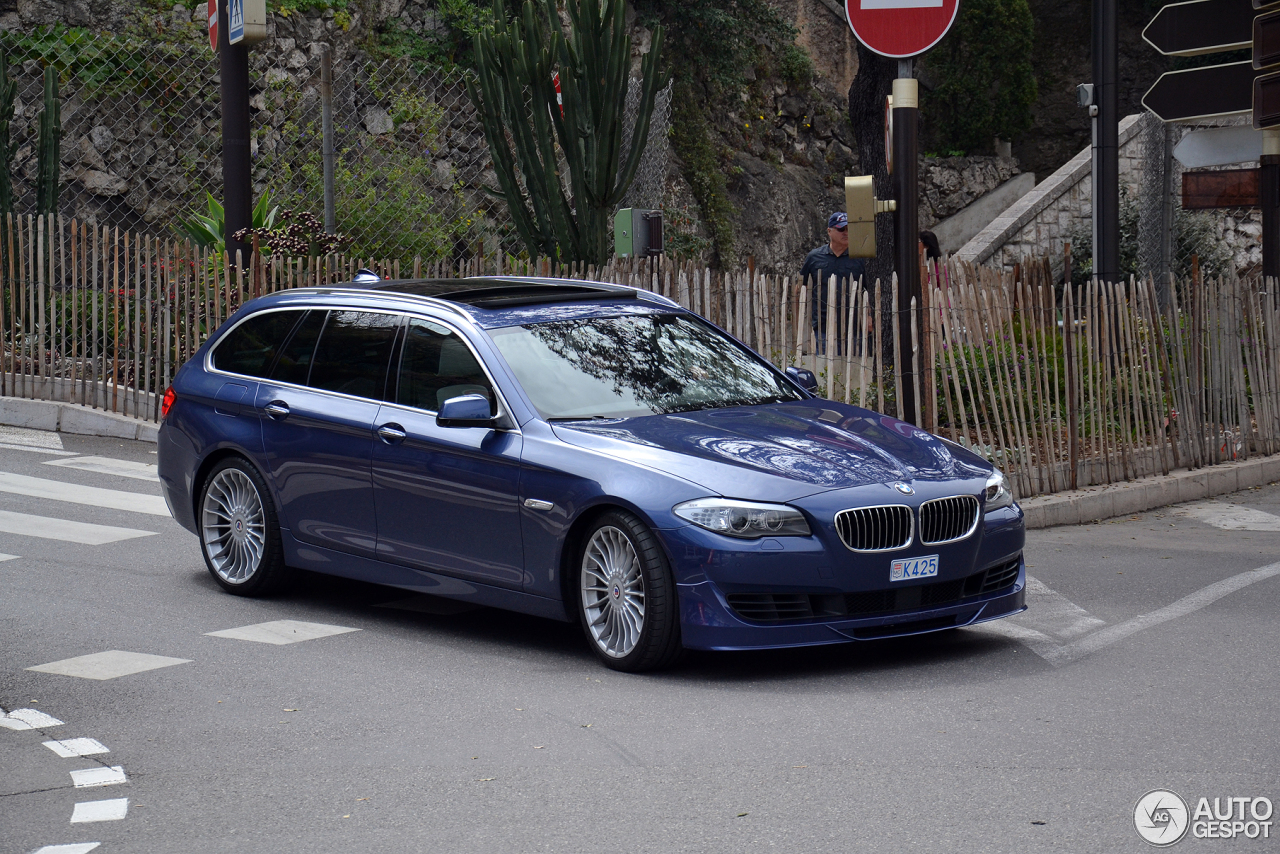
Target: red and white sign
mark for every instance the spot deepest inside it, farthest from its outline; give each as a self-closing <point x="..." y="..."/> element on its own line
<point x="901" y="28"/>
<point x="213" y="25"/>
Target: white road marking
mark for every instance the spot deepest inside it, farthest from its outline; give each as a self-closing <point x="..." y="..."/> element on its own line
<point x="1059" y="654"/>
<point x="109" y="465"/>
<point x="111" y="664"/>
<point x="8" y="557"/>
<point x="74" y="848"/>
<point x="57" y="490"/>
<point x="281" y="632"/>
<point x="50" y="451"/>
<point x="27" y="719"/>
<point x="1055" y="614"/>
<point x="111" y="810"/>
<point x="48" y="528"/>
<point x="77" y="747"/>
<point x="1231" y="517"/>
<point x="25" y="436"/>
<point x="91" y="778"/>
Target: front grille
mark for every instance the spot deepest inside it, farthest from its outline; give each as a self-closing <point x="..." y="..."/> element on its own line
<point x="944" y="520"/>
<point x="875" y="529"/>
<point x="786" y="607"/>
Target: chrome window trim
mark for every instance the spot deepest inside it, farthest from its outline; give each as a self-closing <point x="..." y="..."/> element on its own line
<point x="911" y="531"/>
<point x="977" y="519"/>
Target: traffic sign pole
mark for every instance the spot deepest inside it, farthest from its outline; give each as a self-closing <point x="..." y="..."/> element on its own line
<point x="906" y="225"/>
<point x="237" y="189"/>
<point x="1106" y="176"/>
<point x="1270" y="198"/>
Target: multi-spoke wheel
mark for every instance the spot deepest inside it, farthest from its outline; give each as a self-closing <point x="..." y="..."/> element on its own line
<point x="626" y="595"/>
<point x="239" y="534"/>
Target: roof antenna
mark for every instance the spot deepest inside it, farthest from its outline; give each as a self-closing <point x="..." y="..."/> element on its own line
<point x="365" y="276"/>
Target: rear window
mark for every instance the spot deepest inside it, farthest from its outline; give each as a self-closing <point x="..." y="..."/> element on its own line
<point x="251" y="348"/>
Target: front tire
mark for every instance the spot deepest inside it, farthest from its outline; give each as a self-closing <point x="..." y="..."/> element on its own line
<point x="239" y="531"/>
<point x="626" y="595"/>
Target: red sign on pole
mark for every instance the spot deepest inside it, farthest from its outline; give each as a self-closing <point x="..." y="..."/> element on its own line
<point x="900" y="28"/>
<point x="213" y="25"/>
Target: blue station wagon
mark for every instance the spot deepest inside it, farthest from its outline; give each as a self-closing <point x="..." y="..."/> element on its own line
<point x="579" y="451"/>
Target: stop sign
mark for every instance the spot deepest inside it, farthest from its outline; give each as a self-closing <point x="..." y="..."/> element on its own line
<point x="901" y="28"/>
<point x="213" y="25"/>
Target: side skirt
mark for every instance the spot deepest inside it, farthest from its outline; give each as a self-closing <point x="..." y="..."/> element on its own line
<point x="331" y="562"/>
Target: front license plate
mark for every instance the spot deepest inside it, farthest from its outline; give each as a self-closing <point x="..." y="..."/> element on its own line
<point x="913" y="567"/>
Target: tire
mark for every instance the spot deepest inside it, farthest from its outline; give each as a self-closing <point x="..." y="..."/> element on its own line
<point x="626" y="596"/>
<point x="240" y="532"/>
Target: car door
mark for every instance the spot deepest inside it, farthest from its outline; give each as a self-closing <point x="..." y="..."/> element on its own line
<point x="318" y="408"/>
<point x="446" y="496"/>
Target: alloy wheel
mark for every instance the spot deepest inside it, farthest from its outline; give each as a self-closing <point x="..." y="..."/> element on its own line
<point x="612" y="592"/>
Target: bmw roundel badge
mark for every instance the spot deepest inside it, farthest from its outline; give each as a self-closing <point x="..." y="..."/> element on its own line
<point x="905" y="489"/>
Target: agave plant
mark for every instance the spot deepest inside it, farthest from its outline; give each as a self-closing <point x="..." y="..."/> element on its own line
<point x="209" y="232"/>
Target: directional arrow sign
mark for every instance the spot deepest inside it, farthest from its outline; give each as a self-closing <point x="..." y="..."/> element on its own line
<point x="1200" y="93"/>
<point x="1266" y="40"/>
<point x="1219" y="147"/>
<point x="1201" y="26"/>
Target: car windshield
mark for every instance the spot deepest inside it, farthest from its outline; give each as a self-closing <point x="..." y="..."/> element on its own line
<point x="621" y="367"/>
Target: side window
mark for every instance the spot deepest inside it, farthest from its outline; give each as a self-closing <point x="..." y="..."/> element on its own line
<point x="353" y="353"/>
<point x="295" y="359"/>
<point x="251" y="347"/>
<point x="437" y="365"/>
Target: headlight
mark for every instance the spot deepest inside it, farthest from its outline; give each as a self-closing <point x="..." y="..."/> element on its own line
<point x="997" y="493"/>
<point x="749" y="520"/>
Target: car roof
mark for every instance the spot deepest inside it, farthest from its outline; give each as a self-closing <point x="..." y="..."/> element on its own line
<point x="497" y="301"/>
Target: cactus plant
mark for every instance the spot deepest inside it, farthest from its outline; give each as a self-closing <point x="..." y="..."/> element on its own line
<point x="8" y="97"/>
<point x="562" y="216"/>
<point x="49" y="157"/>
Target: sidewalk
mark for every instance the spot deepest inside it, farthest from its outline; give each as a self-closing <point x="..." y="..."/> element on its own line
<point x="1044" y="511"/>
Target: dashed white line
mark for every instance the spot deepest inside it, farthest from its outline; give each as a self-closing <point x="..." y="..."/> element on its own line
<point x="27" y="437"/>
<point x="20" y="719"/>
<point x="109" y="465"/>
<point x="109" y="810"/>
<point x="281" y="632"/>
<point x="4" y="557"/>
<point x="48" y="528"/>
<point x="90" y="778"/>
<point x="12" y="447"/>
<point x="73" y="848"/>
<point x="94" y="496"/>
<point x="108" y="665"/>
<point x="77" y="747"/>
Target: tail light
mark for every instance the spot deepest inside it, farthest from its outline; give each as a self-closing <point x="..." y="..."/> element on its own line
<point x="166" y="402"/>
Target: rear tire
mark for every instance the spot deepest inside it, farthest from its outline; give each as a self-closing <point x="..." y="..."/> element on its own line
<point x="240" y="532"/>
<point x="626" y="596"/>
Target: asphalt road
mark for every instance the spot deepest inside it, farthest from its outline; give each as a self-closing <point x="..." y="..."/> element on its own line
<point x="1148" y="659"/>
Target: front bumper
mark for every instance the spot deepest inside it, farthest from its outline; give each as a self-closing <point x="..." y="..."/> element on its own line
<point x="708" y="622"/>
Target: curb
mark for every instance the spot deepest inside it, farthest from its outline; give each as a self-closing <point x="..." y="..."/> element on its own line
<point x="1121" y="499"/>
<point x="73" y="418"/>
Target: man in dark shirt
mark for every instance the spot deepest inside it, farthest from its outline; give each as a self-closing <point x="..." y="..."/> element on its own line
<point x="824" y="262"/>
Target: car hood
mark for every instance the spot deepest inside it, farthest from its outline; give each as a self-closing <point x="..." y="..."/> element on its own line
<point x="779" y="452"/>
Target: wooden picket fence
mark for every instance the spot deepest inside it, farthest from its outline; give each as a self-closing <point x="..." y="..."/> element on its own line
<point x="1062" y="388"/>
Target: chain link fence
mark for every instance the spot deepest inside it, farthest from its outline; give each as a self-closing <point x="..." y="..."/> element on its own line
<point x="142" y="140"/>
<point x="1223" y="241"/>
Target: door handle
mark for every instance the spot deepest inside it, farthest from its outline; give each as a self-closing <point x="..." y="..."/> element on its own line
<point x="276" y="409"/>
<point x="392" y="433"/>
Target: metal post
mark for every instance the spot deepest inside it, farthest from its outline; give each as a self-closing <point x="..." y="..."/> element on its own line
<point x="237" y="170"/>
<point x="1106" y="198"/>
<point x="1270" y="179"/>
<point x="1167" y="222"/>
<point x="906" y="235"/>
<point x="326" y="129"/>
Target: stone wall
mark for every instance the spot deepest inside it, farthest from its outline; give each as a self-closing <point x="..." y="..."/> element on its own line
<point x="1042" y="221"/>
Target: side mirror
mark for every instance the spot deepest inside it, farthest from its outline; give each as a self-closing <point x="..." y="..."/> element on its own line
<point x="803" y="378"/>
<point x="468" y="410"/>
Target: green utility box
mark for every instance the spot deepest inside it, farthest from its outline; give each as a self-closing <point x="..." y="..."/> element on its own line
<point x="637" y="233"/>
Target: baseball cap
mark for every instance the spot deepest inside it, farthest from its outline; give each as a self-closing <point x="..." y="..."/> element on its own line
<point x="837" y="220"/>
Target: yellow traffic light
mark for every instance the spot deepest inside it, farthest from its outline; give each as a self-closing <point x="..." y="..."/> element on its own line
<point x="861" y="205"/>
